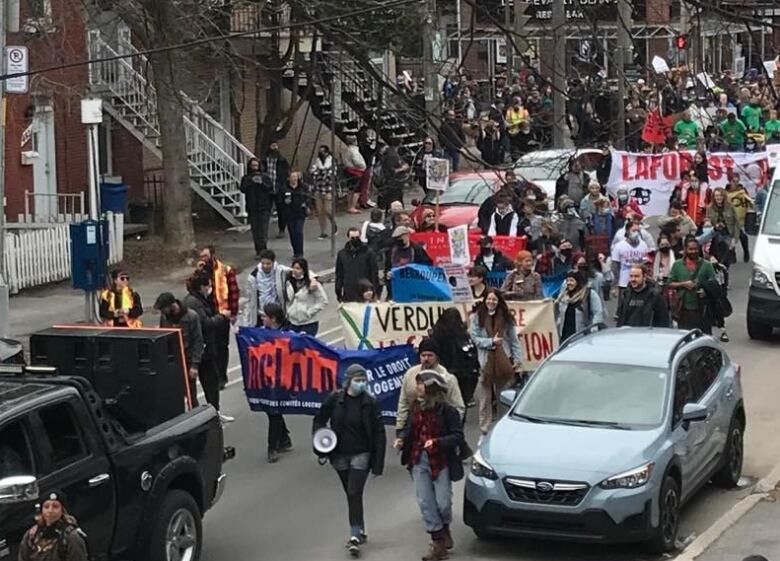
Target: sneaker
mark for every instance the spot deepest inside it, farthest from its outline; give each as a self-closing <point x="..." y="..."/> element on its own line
<point x="724" y="337"/>
<point x="370" y="204"/>
<point x="225" y="419"/>
<point x="322" y="237"/>
<point x="363" y="537"/>
<point x="353" y="546"/>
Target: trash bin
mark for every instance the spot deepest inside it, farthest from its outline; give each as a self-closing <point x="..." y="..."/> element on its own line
<point x="113" y="197"/>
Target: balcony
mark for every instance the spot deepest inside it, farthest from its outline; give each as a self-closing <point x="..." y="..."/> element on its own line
<point x="252" y="17"/>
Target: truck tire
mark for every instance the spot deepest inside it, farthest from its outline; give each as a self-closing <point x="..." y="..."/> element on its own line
<point x="177" y="534"/>
<point x="729" y="473"/>
<point x="758" y="331"/>
<point x="664" y="538"/>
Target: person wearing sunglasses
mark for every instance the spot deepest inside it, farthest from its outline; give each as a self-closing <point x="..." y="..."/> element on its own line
<point x="120" y="305"/>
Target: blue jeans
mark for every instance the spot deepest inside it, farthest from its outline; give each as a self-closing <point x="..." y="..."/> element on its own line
<point x="308" y="328"/>
<point x="295" y="228"/>
<point x="454" y="158"/>
<point x="434" y="496"/>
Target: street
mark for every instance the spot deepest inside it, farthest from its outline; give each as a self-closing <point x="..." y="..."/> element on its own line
<point x="296" y="509"/>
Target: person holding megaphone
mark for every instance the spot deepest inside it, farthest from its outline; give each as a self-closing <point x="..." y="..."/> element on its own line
<point x="354" y="444"/>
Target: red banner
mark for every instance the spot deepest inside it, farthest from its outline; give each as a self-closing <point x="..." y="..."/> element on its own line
<point x="437" y="245"/>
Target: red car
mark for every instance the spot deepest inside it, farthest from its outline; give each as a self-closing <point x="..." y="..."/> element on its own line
<point x="460" y="203"/>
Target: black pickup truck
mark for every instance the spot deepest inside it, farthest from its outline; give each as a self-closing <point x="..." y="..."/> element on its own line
<point x="138" y="496"/>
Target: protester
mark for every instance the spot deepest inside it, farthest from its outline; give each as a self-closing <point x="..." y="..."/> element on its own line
<point x="687" y="131"/>
<point x="428" y="222"/>
<point x="630" y="251"/>
<point x="394" y="174"/>
<point x="355" y="416"/>
<point x="491" y="144"/>
<point x="259" y="197"/>
<point x="573" y="183"/>
<point x="504" y="221"/>
<point x="457" y="352"/>
<point x="523" y="283"/>
<point x="354" y="262"/>
<point x="530" y="224"/>
<point x="492" y="260"/>
<point x="295" y="207"/>
<point x="278" y="435"/>
<point x="571" y="226"/>
<point x="404" y="252"/>
<point x="733" y="132"/>
<point x="678" y="216"/>
<point x="686" y="277"/>
<point x="692" y="194"/>
<point x="477" y="277"/>
<point x="355" y="168"/>
<point x="563" y="260"/>
<point x="577" y="306"/>
<point x="623" y="207"/>
<point x="723" y="217"/>
<point x="663" y="260"/>
<point x="451" y="139"/>
<point x="430" y="439"/>
<point x="265" y="285"/>
<point x="420" y="164"/>
<point x="174" y="314"/>
<point x="492" y="328"/>
<point x="120" y="305"/>
<point x="742" y="203"/>
<point x="589" y="204"/>
<point x="305" y="298"/>
<point x="322" y="170"/>
<point x="591" y="270"/>
<point x="56" y="535"/>
<point x="276" y="170"/>
<point x="643" y="304"/>
<point x="368" y="294"/>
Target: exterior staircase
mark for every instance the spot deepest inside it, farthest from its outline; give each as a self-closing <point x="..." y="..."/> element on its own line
<point x="216" y="159"/>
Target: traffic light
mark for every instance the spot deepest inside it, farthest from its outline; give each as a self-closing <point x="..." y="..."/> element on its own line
<point x="681" y="41"/>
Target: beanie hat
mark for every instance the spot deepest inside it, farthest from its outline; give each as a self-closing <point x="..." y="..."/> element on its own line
<point x="428" y="345"/>
<point x="58" y="496"/>
<point x="353" y="371"/>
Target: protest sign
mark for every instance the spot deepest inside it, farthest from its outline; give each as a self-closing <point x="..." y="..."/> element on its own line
<point x="437" y="172"/>
<point x="420" y="283"/>
<point x="510" y="246"/>
<point x="660" y="65"/>
<point x="369" y="326"/>
<point x="773" y="155"/>
<point x="293" y="373"/>
<point x="457" y="276"/>
<point x="436" y="245"/>
<point x="459" y="245"/>
<point x="651" y="178"/>
<point x="552" y="284"/>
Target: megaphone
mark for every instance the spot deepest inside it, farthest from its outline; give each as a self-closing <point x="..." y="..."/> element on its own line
<point x="324" y="441"/>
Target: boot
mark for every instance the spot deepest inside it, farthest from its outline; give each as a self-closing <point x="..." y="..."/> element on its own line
<point x="437" y="551"/>
<point x="448" y="543"/>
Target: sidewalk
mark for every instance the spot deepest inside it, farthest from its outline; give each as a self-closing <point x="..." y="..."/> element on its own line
<point x="756" y="533"/>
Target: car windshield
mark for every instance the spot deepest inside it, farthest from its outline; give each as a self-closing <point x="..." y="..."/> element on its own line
<point x="771" y="225"/>
<point x="546" y="168"/>
<point x="468" y="191"/>
<point x="595" y="394"/>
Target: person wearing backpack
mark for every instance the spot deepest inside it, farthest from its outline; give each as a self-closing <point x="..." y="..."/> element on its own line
<point x="56" y="535"/>
<point x="457" y="352"/>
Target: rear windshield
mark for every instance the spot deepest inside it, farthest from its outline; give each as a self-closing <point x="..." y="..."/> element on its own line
<point x="771" y="223"/>
<point x="470" y="191"/>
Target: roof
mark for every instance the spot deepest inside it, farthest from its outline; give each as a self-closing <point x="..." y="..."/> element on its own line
<point x="18" y="394"/>
<point x="637" y="346"/>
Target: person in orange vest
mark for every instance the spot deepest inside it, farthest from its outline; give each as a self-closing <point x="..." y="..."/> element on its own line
<point x="120" y="306"/>
<point x="225" y="300"/>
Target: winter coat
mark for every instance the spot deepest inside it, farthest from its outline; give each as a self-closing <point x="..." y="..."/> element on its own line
<point x="501" y="262"/>
<point x="333" y="412"/>
<point x="590" y="311"/>
<point x="419" y="256"/>
<point x="503" y="224"/>
<point x="484" y="342"/>
<point x="573" y="228"/>
<point x="352" y="265"/>
<point x="252" y="310"/>
<point x="281" y="171"/>
<point x="191" y="333"/>
<point x="211" y="321"/>
<point x="449" y="441"/>
<point x="408" y="394"/>
<point x="725" y="215"/>
<point x="304" y="306"/>
<point x="259" y="194"/>
<point x="295" y="202"/>
<point x="645" y="308"/>
<point x="67" y="545"/>
<point x="519" y="286"/>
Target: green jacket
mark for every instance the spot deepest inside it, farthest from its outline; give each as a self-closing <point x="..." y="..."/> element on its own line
<point x="772" y="129"/>
<point x="687" y="132"/>
<point x="734" y="134"/>
<point x="752" y="117"/>
<point x="726" y="215"/>
<point x="681" y="273"/>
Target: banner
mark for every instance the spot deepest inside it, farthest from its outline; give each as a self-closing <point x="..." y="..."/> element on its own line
<point x="293" y="373"/>
<point x="552" y="284"/>
<point x="495" y="279"/>
<point x="420" y="283"/>
<point x="437" y="245"/>
<point x="371" y="326"/>
<point x="651" y="178"/>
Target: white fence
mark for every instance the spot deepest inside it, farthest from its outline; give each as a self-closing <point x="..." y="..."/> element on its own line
<point x="37" y="254"/>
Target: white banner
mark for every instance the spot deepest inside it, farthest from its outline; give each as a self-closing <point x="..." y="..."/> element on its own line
<point x="651" y="178"/>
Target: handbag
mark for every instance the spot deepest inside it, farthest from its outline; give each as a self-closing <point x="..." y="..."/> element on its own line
<point x="498" y="369"/>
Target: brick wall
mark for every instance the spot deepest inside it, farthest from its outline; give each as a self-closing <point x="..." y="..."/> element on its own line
<point x="127" y="155"/>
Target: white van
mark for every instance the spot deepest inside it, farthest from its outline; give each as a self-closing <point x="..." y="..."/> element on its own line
<point x="763" y="311"/>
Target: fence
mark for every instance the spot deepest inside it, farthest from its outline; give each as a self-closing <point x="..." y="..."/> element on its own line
<point x="53" y="207"/>
<point x="37" y="254"/>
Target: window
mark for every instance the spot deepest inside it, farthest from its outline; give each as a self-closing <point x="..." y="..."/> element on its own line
<point x="15" y="453"/>
<point x="683" y="388"/>
<point x="67" y="445"/>
<point x="39" y="9"/>
<point x="709" y="362"/>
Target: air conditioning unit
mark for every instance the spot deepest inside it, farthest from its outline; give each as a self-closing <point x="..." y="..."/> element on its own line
<point x="29" y="157"/>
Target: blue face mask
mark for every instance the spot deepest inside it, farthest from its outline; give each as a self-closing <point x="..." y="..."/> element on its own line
<point x="358" y="387"/>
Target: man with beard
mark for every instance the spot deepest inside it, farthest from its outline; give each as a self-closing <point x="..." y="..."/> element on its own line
<point x="354" y="262"/>
<point x="643" y="304"/>
<point x="276" y="170"/>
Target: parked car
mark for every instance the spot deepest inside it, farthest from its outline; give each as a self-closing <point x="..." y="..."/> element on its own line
<point x="460" y="203"/>
<point x="605" y="444"/>
<point x="544" y="167"/>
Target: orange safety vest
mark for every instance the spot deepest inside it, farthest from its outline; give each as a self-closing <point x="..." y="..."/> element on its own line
<point x="127" y="303"/>
<point x="221" y="286"/>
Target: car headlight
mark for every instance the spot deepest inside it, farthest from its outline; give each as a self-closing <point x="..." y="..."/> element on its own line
<point x="630" y="479"/>
<point x="481" y="468"/>
<point x="760" y="279"/>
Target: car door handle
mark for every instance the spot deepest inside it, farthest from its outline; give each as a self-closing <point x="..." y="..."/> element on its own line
<point x="99" y="479"/>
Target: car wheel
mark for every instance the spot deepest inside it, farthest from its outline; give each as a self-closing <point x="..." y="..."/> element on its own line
<point x="177" y="534"/>
<point x="665" y="535"/>
<point x="729" y="473"/>
<point x="758" y="331"/>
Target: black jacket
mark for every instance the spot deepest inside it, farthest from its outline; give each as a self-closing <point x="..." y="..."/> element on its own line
<point x="646" y="308"/>
<point x="192" y="334"/>
<point x="294" y="202"/>
<point x="333" y="412"/>
<point x="352" y="265"/>
<point x="491" y="149"/>
<point x="603" y="170"/>
<point x="259" y="195"/>
<point x="449" y="441"/>
<point x="501" y="262"/>
<point x="451" y="135"/>
<point x="211" y="322"/>
<point x="419" y="256"/>
<point x="282" y="172"/>
<point x="562" y="185"/>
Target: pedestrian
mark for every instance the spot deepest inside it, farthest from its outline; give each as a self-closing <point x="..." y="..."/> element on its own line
<point x="367" y="291"/>
<point x="404" y="252"/>
<point x="742" y="203"/>
<point x="276" y="170"/>
<point x="573" y="183"/>
<point x="493" y="260"/>
<point x="457" y="352"/>
<point x="174" y="314"/>
<point x="394" y="173"/>
<point x="571" y="226"/>
<point x="428" y="222"/>
<point x="530" y="224"/>
<point x="663" y="260"/>
<point x="430" y="440"/>
<point x="563" y="260"/>
<point x="577" y="306"/>
<point x="212" y="323"/>
<point x="504" y="221"/>
<point x="354" y="168"/>
<point x="644" y="304"/>
<point x="354" y="262"/>
<point x="322" y="171"/>
<point x="686" y="277"/>
<point x="355" y="416"/>
<point x="490" y="144"/>
<point x="278" y="435"/>
<point x="451" y="139"/>
<point x="305" y="298"/>
<point x="591" y="268"/>
<point x="225" y="297"/>
<point x="625" y="254"/>
<point x="477" y="276"/>
<point x="523" y="283"/>
<point x="492" y="328"/>
<point x="56" y="535"/>
<point x="295" y="207"/>
<point x="265" y="285"/>
<point x="623" y="207"/>
<point x="420" y="164"/>
<point x="120" y="305"/>
<point x="259" y="196"/>
<point x="588" y="205"/>
<point x="723" y="217"/>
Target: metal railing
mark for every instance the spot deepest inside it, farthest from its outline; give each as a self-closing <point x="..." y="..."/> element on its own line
<point x="53" y="207"/>
<point x="254" y="17"/>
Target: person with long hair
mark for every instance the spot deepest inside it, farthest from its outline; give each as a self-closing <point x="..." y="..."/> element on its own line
<point x="523" y="283"/>
<point x="457" y="352"/>
<point x="429" y="444"/>
<point x="305" y="298"/>
<point x="577" y="306"/>
<point x="492" y="328"/>
<point x="723" y="216"/>
<point x="120" y="305"/>
<point x="56" y="534"/>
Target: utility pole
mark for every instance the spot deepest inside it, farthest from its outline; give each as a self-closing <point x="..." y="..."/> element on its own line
<point x="622" y="56"/>
<point x="508" y="50"/>
<point x="432" y="105"/>
<point x="559" y="72"/>
<point x="4" y="305"/>
<point x="692" y="54"/>
<point x="521" y="21"/>
<point x="334" y="77"/>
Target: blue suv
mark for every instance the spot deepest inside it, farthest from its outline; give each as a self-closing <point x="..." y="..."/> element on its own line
<point x="611" y="436"/>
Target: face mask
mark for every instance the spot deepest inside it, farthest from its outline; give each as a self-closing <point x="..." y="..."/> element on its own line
<point x="707" y="230"/>
<point x="665" y="247"/>
<point x="355" y="242"/>
<point x="633" y="236"/>
<point x="486" y="251"/>
<point x="358" y="387"/>
<point x="623" y="198"/>
<point x="567" y="252"/>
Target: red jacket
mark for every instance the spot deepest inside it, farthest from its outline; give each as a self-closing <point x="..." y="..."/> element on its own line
<point x="631" y="206"/>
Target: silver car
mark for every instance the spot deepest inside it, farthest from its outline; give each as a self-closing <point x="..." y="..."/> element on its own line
<point x="612" y="435"/>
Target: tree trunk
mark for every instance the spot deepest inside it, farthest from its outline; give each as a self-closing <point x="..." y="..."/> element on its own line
<point x="177" y="196"/>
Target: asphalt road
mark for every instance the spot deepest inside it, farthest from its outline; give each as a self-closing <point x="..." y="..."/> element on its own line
<point x="295" y="509"/>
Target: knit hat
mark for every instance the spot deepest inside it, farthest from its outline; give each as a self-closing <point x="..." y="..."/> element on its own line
<point x="164" y="300"/>
<point x="428" y="345"/>
<point x="432" y="378"/>
<point x="353" y="371"/>
<point x="58" y="496"/>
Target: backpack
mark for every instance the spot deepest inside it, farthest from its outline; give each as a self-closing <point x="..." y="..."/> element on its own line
<point x="465" y="360"/>
<point x="62" y="539"/>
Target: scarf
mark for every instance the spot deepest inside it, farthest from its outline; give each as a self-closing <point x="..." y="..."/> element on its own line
<point x="573" y="299"/>
<point x="126" y="303"/>
<point x="266" y="287"/>
<point x="498" y="369"/>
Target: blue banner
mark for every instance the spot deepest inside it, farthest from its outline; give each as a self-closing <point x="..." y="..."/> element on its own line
<point x="420" y="283"/>
<point x="551" y="285"/>
<point x="293" y="373"/>
<point x="495" y="279"/>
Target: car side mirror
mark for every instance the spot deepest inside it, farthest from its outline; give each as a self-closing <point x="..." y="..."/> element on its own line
<point x="507" y="397"/>
<point x="18" y="489"/>
<point x="694" y="413"/>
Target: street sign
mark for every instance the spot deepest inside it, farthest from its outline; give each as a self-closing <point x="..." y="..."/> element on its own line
<point x="16" y="61"/>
